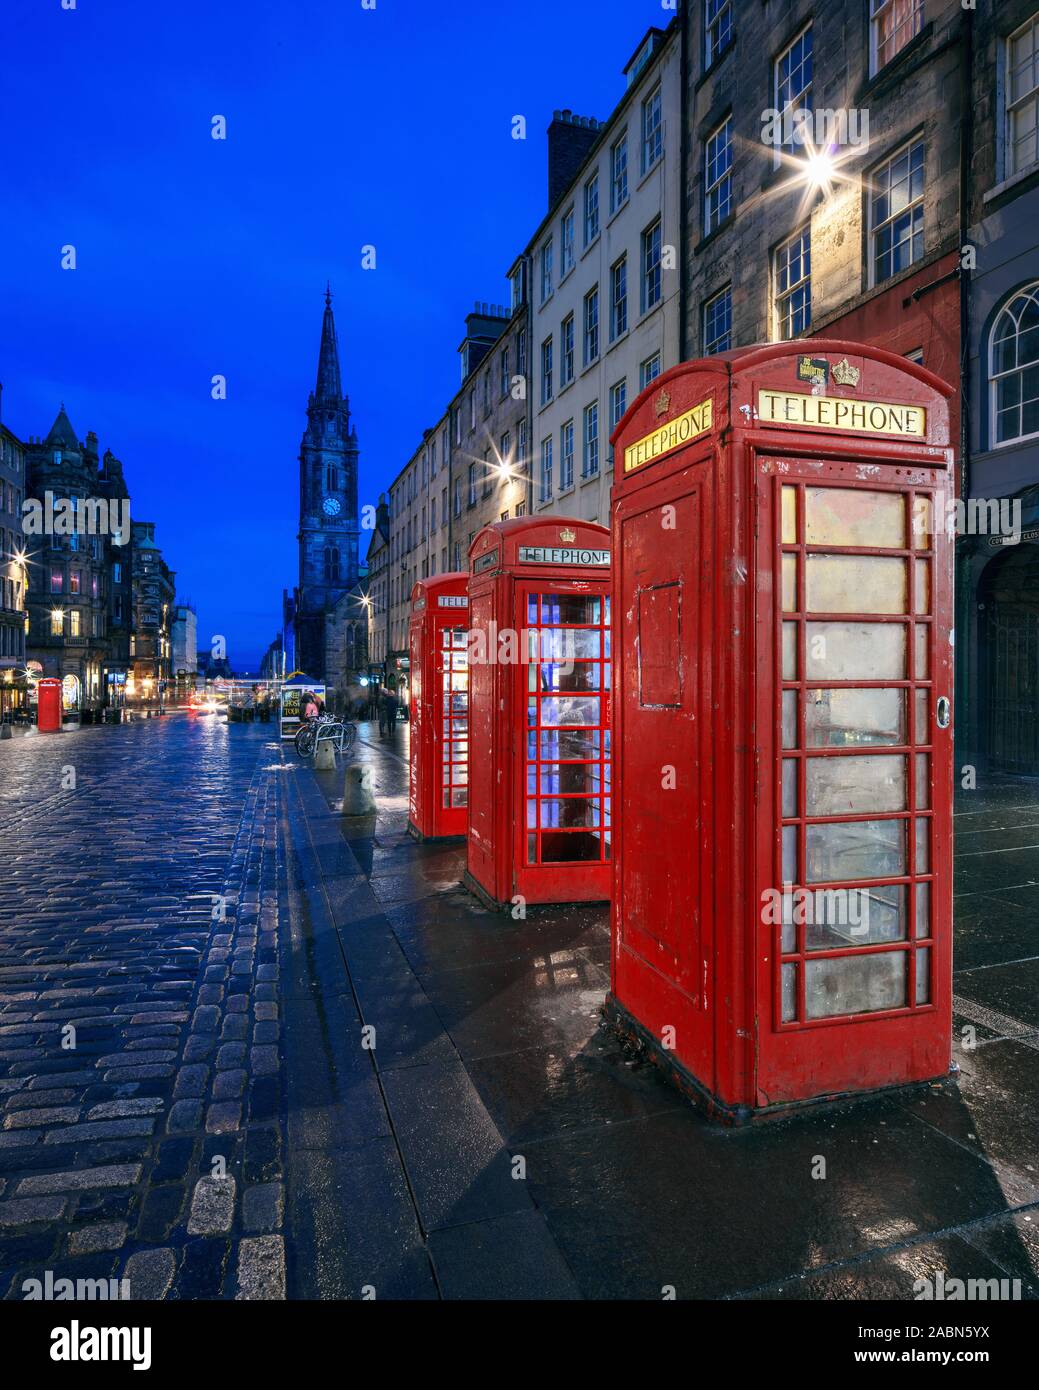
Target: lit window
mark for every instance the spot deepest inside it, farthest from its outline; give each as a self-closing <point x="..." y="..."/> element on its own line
<point x="566" y="456"/>
<point x="651" y="280"/>
<point x="792" y="276"/>
<point x="893" y="23"/>
<point x="74" y="623"/>
<point x="717" y="28"/>
<point x="57" y="622"/>
<point x="618" y="298"/>
<point x="57" y="581"/>
<point x="1014" y="368"/>
<point x="1022" y="100"/>
<point x="652" y="130"/>
<point x="590" y="465"/>
<point x="793" y="86"/>
<point x="566" y="351"/>
<point x="619" y="173"/>
<point x="897" y="212"/>
<point x="718" y="176"/>
<point x="591" y="209"/>
<point x="74" y="582"/>
<point x="717" y="322"/>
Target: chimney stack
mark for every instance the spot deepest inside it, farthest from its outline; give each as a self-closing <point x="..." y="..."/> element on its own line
<point x="570" y="138"/>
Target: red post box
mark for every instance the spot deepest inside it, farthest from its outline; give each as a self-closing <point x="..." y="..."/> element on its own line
<point x="539" y="711"/>
<point x="439" y="706"/>
<point x="48" y="705"/>
<point x="782" y="909"/>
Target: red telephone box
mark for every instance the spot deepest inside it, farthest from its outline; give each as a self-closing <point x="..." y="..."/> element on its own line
<point x="539" y="711"/>
<point x="782" y="907"/>
<point x="439" y="706"/>
<point x="48" y="704"/>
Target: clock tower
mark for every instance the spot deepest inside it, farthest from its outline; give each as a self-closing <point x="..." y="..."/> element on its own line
<point x="328" y="520"/>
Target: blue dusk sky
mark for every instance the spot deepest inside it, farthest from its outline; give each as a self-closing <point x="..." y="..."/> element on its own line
<point x="345" y="127"/>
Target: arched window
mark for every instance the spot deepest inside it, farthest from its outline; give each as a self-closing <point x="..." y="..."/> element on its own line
<point x="331" y="564"/>
<point x="1014" y="367"/>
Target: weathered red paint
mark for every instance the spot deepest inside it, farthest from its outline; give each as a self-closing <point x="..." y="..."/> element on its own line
<point x="439" y="706"/>
<point x="539" y="788"/>
<point x="698" y="670"/>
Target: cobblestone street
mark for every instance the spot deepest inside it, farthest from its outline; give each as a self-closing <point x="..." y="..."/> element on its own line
<point x="251" y="1050"/>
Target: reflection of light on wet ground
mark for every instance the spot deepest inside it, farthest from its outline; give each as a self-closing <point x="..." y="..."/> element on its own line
<point x="277" y="767"/>
<point x="887" y="1232"/>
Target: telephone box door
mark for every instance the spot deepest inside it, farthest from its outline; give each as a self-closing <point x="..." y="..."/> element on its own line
<point x="663" y="912"/>
<point x="564" y="819"/>
<point x="859" y="812"/>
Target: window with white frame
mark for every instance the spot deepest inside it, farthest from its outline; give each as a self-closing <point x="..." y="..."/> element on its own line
<point x="896" y="212"/>
<point x="472" y="485"/>
<point x="892" y="24"/>
<point x="717" y="322"/>
<point x="1022" y="98"/>
<point x="521" y="445"/>
<point x="618" y="403"/>
<point x="546" y="271"/>
<point x="590" y="463"/>
<point x="652" y="130"/>
<point x="619" y="172"/>
<point x="566" y="351"/>
<point x="792" y="84"/>
<point x="545" y="494"/>
<point x="566" y="456"/>
<point x="649" y="370"/>
<point x="566" y="243"/>
<point x="618" y="298"/>
<point x="503" y="381"/>
<point x="505" y="450"/>
<point x="591" y="209"/>
<point x="792" y="280"/>
<point x="718" y="176"/>
<point x="717" y="25"/>
<point x="1014" y="368"/>
<point x="651" y="267"/>
<point x="591" y="326"/>
<point x="546" y="371"/>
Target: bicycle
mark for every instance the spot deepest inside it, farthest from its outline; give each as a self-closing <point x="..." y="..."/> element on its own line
<point x="343" y="732"/>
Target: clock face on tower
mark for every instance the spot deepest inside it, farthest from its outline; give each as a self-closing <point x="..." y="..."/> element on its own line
<point x="331" y="506"/>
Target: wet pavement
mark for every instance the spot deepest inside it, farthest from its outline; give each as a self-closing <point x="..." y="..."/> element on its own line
<point x="539" y="1161"/>
<point x="355" y="1082"/>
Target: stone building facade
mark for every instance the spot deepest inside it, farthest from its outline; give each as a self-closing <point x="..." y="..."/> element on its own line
<point x="154" y="589"/>
<point x="490" y="456"/>
<point x="471" y="467"/>
<point x="854" y="232"/>
<point x="378" y="590"/>
<point x="603" y="275"/>
<point x="13" y="685"/>
<point x="69" y="574"/>
<point x="997" y="580"/>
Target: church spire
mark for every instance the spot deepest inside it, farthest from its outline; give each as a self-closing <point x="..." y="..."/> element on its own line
<point x="329" y="390"/>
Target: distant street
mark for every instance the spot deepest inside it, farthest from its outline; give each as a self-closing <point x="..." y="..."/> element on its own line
<point x="244" y="1054"/>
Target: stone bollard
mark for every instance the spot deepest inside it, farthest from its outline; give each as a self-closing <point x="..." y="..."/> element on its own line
<point x="324" y="756"/>
<point x="358" y="799"/>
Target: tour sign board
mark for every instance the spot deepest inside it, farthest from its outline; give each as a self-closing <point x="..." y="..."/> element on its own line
<point x="439" y="759"/>
<point x="782" y="622"/>
<point x="539" y="826"/>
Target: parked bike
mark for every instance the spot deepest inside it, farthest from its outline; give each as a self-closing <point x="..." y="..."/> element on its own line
<point x="342" y="732"/>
